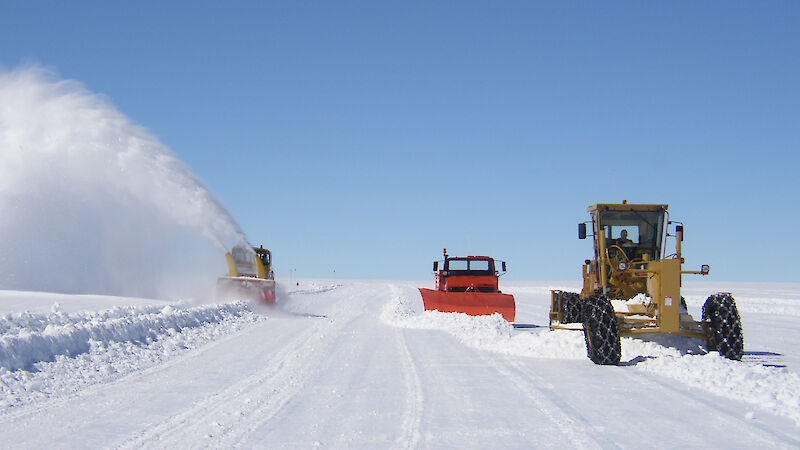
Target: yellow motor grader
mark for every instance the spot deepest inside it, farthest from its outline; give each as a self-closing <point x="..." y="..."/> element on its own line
<point x="630" y="267"/>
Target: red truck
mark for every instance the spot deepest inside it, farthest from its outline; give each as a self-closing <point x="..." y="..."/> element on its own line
<point x="468" y="284"/>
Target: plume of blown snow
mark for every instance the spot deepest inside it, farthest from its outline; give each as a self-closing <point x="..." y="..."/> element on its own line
<point x="92" y="203"/>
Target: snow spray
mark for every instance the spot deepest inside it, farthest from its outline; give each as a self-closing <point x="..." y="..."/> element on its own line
<point x="92" y="203"/>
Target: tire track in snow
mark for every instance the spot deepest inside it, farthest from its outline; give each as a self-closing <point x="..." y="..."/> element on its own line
<point x="343" y="317"/>
<point x="741" y="383"/>
<point x="410" y="429"/>
<point x="271" y="388"/>
<point x="308" y="357"/>
<point x="230" y="415"/>
<point x="735" y="421"/>
<point x="574" y="426"/>
<point x="560" y="414"/>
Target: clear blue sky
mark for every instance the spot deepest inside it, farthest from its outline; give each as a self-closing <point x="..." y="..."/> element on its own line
<point x="365" y="136"/>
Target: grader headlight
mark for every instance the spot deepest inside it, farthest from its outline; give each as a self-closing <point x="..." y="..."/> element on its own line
<point x="622" y="266"/>
<point x="704" y="269"/>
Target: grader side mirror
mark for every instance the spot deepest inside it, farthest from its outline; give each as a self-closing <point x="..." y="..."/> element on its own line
<point x="503" y="263"/>
<point x="436" y="266"/>
<point x="581" y="231"/>
<point x="679" y="231"/>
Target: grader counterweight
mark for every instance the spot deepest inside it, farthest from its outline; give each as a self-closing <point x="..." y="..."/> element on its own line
<point x="630" y="266"/>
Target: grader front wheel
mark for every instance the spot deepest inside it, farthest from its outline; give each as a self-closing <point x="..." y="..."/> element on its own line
<point x="724" y="326"/>
<point x="600" y="331"/>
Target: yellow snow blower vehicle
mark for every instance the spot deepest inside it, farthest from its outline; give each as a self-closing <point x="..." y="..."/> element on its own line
<point x="250" y="275"/>
<point x="631" y="269"/>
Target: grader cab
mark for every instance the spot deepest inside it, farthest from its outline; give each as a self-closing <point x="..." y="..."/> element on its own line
<point x="631" y="267"/>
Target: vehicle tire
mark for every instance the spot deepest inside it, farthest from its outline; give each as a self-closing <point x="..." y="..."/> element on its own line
<point x="723" y="326"/>
<point x="600" y="330"/>
<point x="570" y="307"/>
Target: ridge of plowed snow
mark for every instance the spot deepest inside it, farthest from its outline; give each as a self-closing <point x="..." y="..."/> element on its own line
<point x="64" y="352"/>
<point x="772" y="389"/>
<point x="486" y="332"/>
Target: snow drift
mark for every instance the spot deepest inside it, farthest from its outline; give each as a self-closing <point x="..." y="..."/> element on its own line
<point x="92" y="203"/>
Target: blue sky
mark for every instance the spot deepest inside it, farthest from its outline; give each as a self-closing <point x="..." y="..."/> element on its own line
<point x="363" y="137"/>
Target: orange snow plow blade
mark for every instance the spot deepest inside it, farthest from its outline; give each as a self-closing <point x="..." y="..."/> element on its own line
<point x="472" y="303"/>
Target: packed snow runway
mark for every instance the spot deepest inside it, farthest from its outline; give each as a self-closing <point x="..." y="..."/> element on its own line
<point x="357" y="364"/>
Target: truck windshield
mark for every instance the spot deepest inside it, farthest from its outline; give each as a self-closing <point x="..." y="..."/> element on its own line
<point x="471" y="266"/>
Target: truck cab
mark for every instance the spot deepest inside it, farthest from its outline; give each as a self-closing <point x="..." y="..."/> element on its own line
<point x="467" y="274"/>
<point x="469" y="285"/>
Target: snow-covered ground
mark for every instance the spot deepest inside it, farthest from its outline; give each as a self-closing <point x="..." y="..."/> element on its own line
<point x="358" y="364"/>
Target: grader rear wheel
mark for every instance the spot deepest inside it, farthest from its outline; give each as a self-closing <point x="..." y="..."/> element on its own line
<point x="600" y="331"/>
<point x="724" y="326"/>
<point x="570" y="307"/>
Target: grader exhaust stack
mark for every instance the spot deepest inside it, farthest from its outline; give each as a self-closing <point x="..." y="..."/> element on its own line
<point x="469" y="285"/>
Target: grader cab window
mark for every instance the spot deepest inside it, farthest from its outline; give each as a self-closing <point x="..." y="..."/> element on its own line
<point x="623" y="235"/>
<point x="638" y="232"/>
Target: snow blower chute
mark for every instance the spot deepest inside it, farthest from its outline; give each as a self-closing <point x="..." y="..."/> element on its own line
<point x="250" y="276"/>
<point x="468" y="285"/>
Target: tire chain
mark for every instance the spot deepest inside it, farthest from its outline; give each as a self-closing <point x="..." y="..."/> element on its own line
<point x="601" y="331"/>
<point x="570" y="307"/>
<point x="724" y="326"/>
